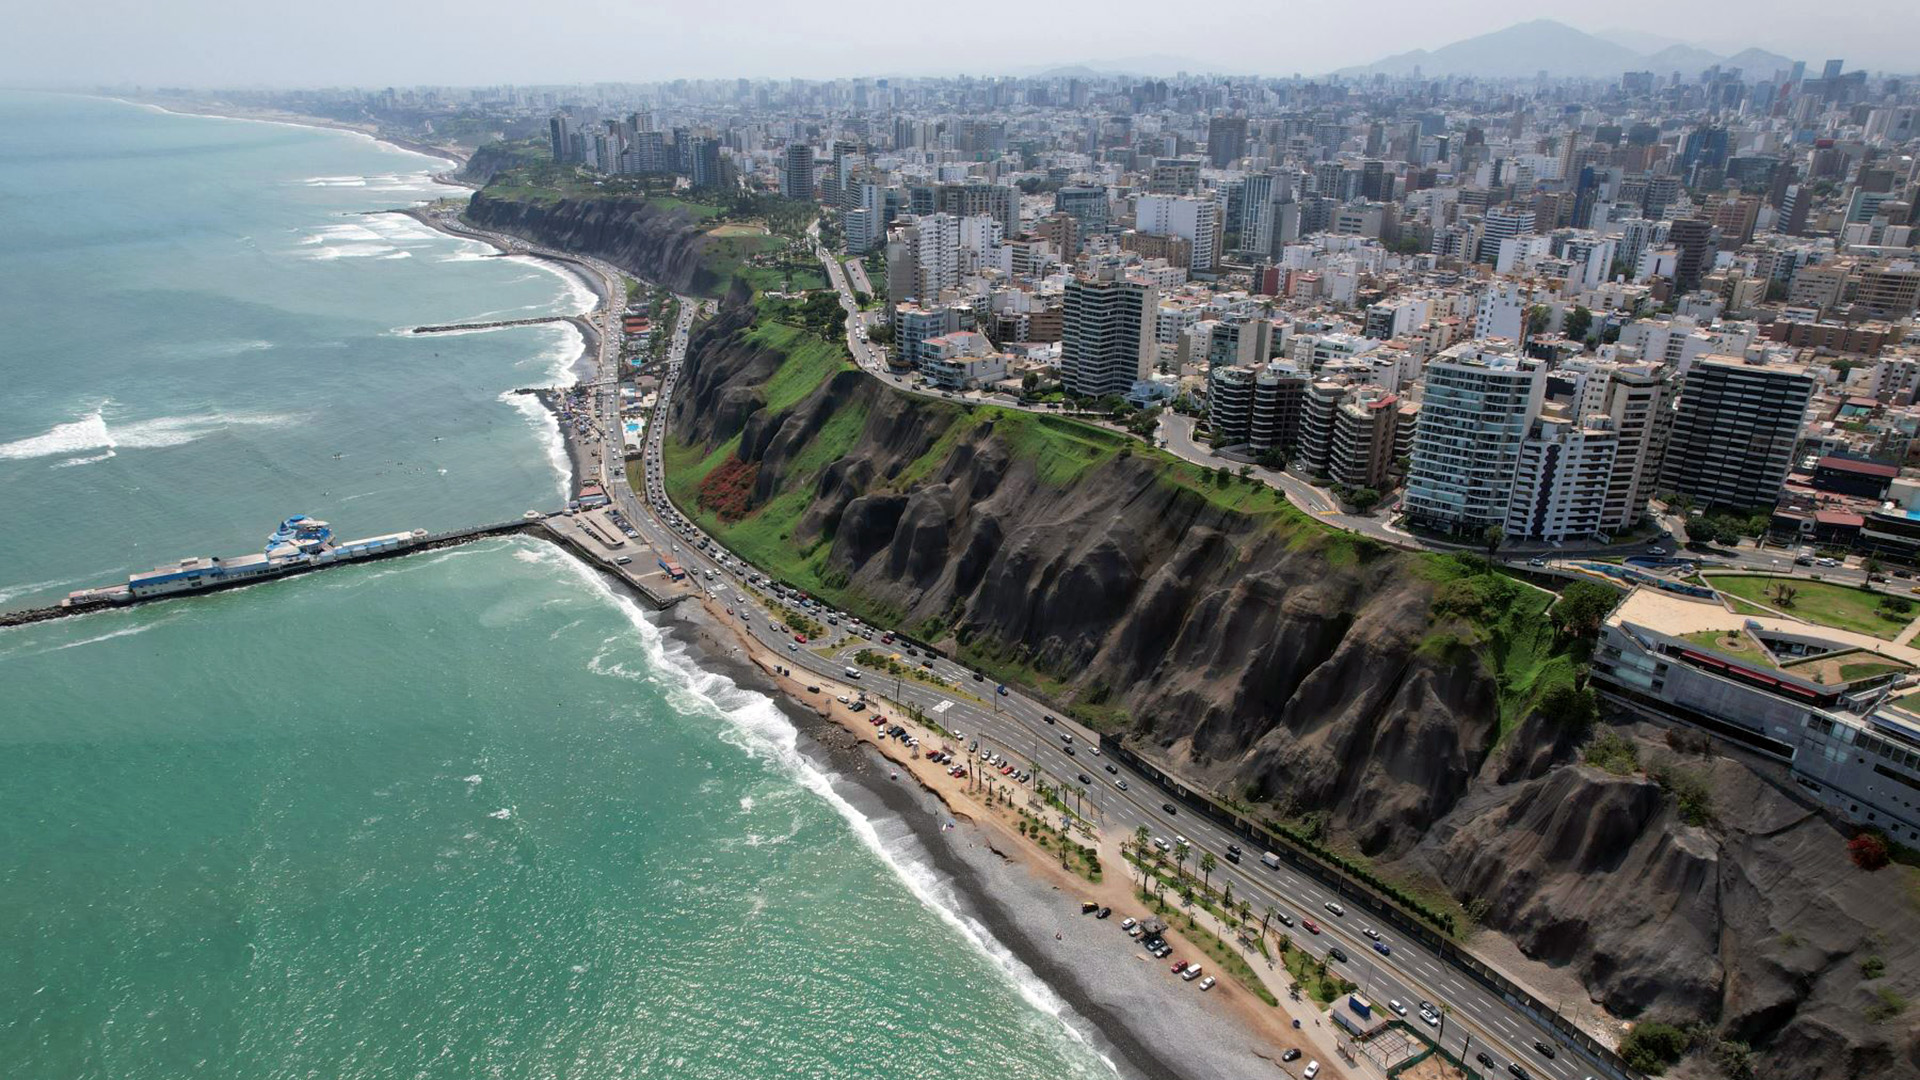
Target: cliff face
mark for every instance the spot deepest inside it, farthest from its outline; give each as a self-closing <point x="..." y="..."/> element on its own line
<point x="665" y="246"/>
<point x="1254" y="651"/>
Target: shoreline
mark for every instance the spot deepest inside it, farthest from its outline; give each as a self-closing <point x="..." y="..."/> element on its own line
<point x="459" y="156"/>
<point x="1017" y="896"/>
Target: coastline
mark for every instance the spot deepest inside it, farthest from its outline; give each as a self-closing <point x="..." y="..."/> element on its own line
<point x="1147" y="1023"/>
<point x="226" y="111"/>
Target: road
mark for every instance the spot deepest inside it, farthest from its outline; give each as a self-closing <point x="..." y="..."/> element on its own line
<point x="1058" y="748"/>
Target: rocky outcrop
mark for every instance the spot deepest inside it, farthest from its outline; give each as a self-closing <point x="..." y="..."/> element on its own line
<point x="665" y="246"/>
<point x="1239" y="651"/>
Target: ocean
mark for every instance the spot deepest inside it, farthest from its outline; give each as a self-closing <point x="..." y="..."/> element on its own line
<point x="468" y="813"/>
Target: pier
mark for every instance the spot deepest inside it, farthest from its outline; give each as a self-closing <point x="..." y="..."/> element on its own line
<point x="601" y="544"/>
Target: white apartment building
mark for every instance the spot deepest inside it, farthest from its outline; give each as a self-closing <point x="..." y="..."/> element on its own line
<point x="1480" y="404"/>
<point x="1190" y="217"/>
<point x="1561" y="478"/>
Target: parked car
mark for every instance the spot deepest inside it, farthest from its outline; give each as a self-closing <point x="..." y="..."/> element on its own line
<point x="1291" y="1054"/>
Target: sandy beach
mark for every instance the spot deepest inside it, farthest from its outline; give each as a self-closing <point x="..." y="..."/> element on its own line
<point x="1145" y="1019"/>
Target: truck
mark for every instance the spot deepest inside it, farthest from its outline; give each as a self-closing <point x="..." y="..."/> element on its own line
<point x="1361" y="1006"/>
<point x="1270" y="861"/>
<point x="673" y="569"/>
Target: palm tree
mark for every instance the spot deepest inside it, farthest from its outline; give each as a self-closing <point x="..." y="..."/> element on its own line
<point x="1207" y="865"/>
<point x="1266" y="917"/>
<point x="1492" y="537"/>
<point x="1226" y="896"/>
<point x="1180" y="855"/>
<point x="1246" y="910"/>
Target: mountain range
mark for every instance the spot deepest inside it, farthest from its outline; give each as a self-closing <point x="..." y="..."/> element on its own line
<point x="1528" y="48"/>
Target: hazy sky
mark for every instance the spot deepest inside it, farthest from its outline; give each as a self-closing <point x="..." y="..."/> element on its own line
<point x="400" y="42"/>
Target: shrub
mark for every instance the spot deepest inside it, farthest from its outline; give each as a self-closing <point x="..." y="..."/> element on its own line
<point x="1613" y="752"/>
<point x="1652" y="1046"/>
<point x="1872" y="967"/>
<point x="1868" y="852"/>
<point x="1886" y="1005"/>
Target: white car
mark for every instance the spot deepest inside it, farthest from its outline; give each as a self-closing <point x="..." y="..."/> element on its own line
<point x="1207" y="983"/>
<point x="1313" y="1070"/>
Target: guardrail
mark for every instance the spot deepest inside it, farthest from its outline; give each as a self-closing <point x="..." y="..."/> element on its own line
<point x="1357" y="892"/>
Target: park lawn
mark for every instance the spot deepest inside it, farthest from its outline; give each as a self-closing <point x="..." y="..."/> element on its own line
<point x="1842" y="607"/>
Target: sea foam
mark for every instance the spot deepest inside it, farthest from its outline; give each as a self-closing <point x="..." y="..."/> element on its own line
<point x="763" y="731"/>
<point x="92" y="432"/>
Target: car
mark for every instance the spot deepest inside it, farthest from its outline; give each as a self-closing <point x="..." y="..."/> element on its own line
<point x="1485" y="1059"/>
<point x="1292" y="1054"/>
<point x="1085" y="779"/>
<point x="1383" y="948"/>
<point x="1121" y="784"/>
<point x="1207" y="983"/>
<point x="813" y="689"/>
<point x="1191" y="973"/>
<point x="1427" y="1006"/>
<point x="1181" y="841"/>
<point x="1069" y="750"/>
<point x="1337" y="953"/>
<point x="1518" y="1072"/>
<point x="1169" y="808"/>
<point x="1309" y="926"/>
<point x="1371" y="932"/>
<point x="1398" y="1009"/>
<point x="1545" y="1048"/>
<point x="1113" y="770"/>
<point x="1827" y="562"/>
<point x="1128" y="923"/>
<point x="977" y="677"/>
<point x="1312" y="1070"/>
<point x="1283" y="918"/>
<point x="1335" y="909"/>
<point x="1656" y="550"/>
<point x="1179" y="966"/>
<point x="1047" y="718"/>
<point x="1432" y="1019"/>
<point x="1802" y="560"/>
<point x="1536" y="561"/>
<point x="801" y="638"/>
<point x="1002" y="691"/>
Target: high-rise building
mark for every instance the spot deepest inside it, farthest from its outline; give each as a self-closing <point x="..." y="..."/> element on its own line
<point x="1561" y="477"/>
<point x="1106" y="343"/>
<point x="560" y="137"/>
<point x="1503" y="223"/>
<point x="1226" y="140"/>
<point x="1195" y="219"/>
<point x="1480" y="404"/>
<point x="796" y="177"/>
<point x="1259" y="200"/>
<point x="1692" y="240"/>
<point x="1085" y="204"/>
<point x="1734" y="431"/>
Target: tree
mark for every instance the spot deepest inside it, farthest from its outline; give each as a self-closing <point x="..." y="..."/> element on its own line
<point x="1571" y="707"/>
<point x="1491" y="538"/>
<point x="1582" y="606"/>
<point x="1538" y="318"/>
<point x="1579" y="323"/>
<point x="1207" y="865"/>
<point x="1869" y="565"/>
<point x="1783" y="594"/>
<point x="1267" y="917"/>
<point x="1180" y="855"/>
<point x="1363" y="499"/>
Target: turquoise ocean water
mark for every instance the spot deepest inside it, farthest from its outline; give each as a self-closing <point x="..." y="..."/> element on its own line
<point x="467" y="814"/>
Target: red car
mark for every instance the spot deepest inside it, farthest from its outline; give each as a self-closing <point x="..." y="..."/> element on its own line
<point x="1310" y="926"/>
<point x="801" y="638"/>
<point x="886" y="639"/>
<point x="1179" y="966"/>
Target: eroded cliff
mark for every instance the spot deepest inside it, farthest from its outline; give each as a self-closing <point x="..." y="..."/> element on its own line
<point x="1249" y="648"/>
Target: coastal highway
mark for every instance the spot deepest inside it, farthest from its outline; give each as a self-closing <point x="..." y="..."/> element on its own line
<point x="1017" y="726"/>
